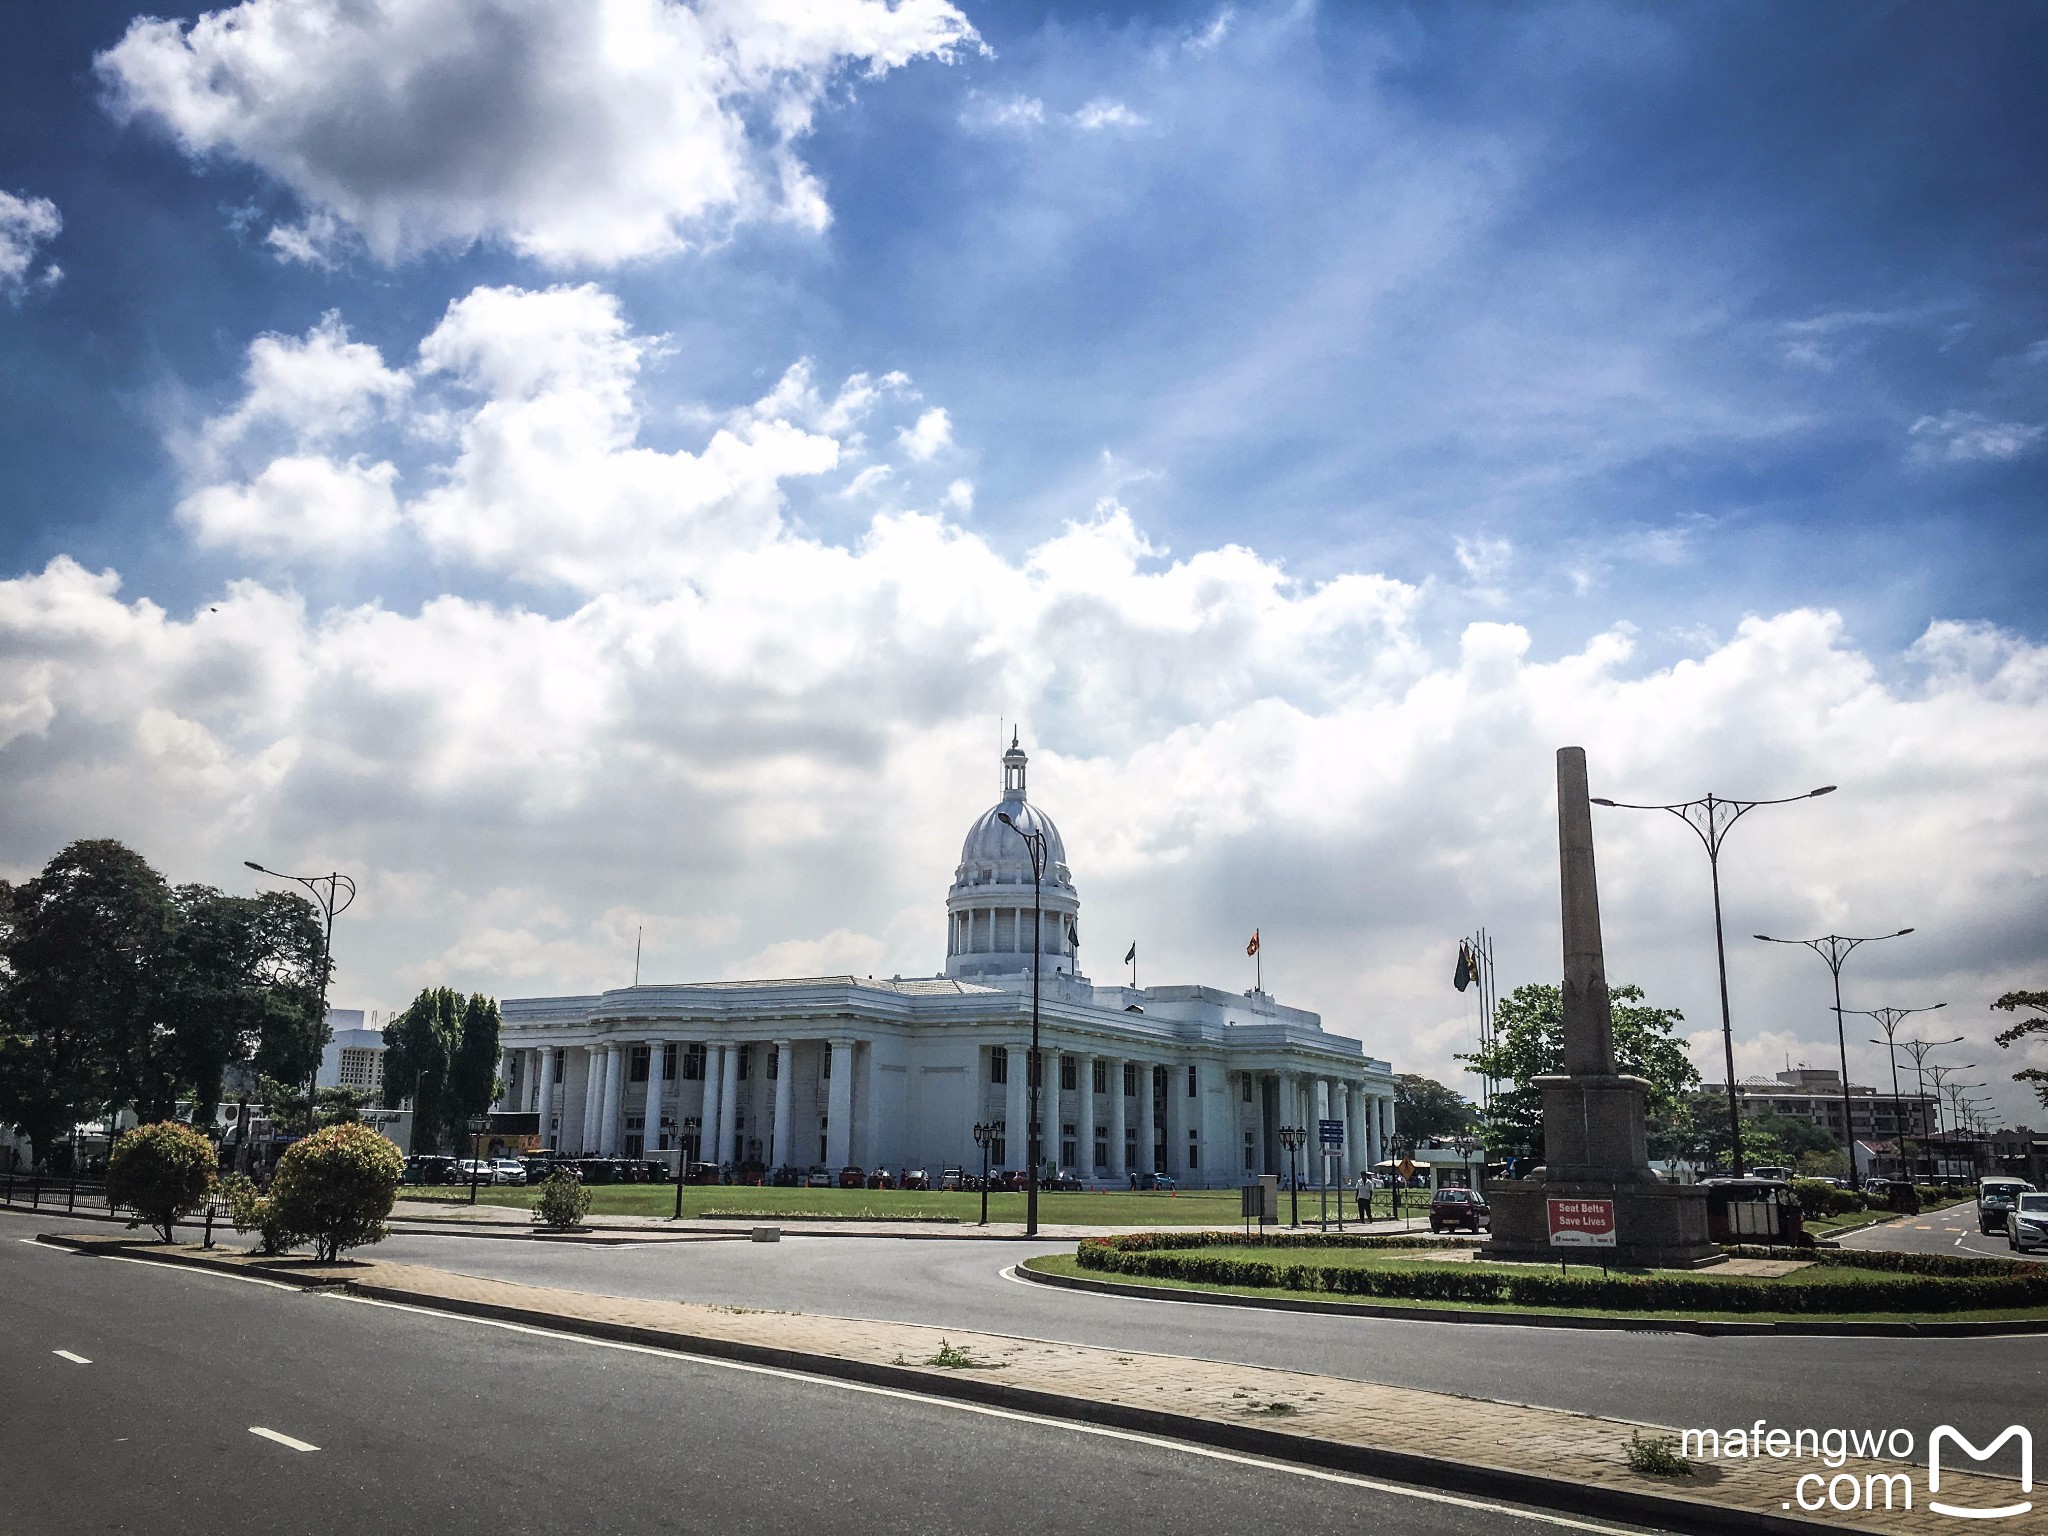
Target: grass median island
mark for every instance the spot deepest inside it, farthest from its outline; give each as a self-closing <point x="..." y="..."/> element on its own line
<point x="739" y="1202"/>
<point x="1825" y="1283"/>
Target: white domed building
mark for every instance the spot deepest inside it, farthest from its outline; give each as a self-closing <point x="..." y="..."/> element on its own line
<point x="1190" y="1081"/>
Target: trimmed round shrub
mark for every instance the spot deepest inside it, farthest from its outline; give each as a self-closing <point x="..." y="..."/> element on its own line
<point x="563" y="1202"/>
<point x="250" y="1211"/>
<point x="335" y="1188"/>
<point x="161" y="1172"/>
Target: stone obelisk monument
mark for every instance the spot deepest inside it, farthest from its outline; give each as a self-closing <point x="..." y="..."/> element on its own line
<point x="1595" y="1147"/>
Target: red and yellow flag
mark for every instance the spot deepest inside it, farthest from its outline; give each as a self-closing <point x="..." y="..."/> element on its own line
<point x="1253" y="947"/>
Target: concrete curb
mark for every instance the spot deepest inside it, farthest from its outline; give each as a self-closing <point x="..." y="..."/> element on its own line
<point x="1930" y="1330"/>
<point x="1664" y="1510"/>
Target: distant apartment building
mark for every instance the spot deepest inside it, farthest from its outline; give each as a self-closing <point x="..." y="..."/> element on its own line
<point x="1815" y="1094"/>
<point x="354" y="1057"/>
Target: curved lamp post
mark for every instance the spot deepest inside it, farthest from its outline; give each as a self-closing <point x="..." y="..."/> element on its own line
<point x="1833" y="949"/>
<point x="332" y="893"/>
<point x="1918" y="1049"/>
<point x="1710" y="817"/>
<point x="1034" y="840"/>
<point x="1941" y="1075"/>
<point x="1888" y="1020"/>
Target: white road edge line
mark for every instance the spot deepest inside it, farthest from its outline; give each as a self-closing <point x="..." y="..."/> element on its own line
<point x="65" y="1354"/>
<point x="1160" y="1442"/>
<point x="284" y="1440"/>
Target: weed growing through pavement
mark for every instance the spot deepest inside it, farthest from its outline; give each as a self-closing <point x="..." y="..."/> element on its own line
<point x="1656" y="1455"/>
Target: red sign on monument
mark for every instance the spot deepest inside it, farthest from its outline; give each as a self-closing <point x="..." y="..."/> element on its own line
<point x="1581" y="1223"/>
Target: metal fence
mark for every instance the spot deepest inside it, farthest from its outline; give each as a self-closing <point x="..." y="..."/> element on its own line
<point x="71" y="1196"/>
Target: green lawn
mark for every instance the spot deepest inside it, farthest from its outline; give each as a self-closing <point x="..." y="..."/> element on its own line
<point x="1064" y="1264"/>
<point x="1192" y="1208"/>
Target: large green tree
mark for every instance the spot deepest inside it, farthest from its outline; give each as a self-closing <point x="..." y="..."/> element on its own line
<point x="442" y="1053"/>
<point x="2014" y="1002"/>
<point x="1528" y="1043"/>
<point x="77" y="1011"/>
<point x="1424" y="1108"/>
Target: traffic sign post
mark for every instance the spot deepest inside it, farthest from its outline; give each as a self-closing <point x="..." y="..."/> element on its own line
<point x="1580" y="1224"/>
<point x="1330" y="1136"/>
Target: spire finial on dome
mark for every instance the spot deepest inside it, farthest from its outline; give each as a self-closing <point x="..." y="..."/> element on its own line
<point x="1013" y="770"/>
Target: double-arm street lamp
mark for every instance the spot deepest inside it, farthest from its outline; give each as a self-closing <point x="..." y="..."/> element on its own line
<point x="1034" y="841"/>
<point x="332" y="893"/>
<point x="1292" y="1137"/>
<point x="1918" y="1049"/>
<point x="985" y="1136"/>
<point x="1710" y="817"/>
<point x="1833" y="949"/>
<point x="1941" y="1075"/>
<point x="1889" y="1019"/>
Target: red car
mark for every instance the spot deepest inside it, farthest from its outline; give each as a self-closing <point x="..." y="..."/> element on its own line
<point x="851" y="1177"/>
<point x="1458" y="1208"/>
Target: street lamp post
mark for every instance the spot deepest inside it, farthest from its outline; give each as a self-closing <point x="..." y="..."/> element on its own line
<point x="1833" y="949"/>
<point x="1291" y="1137"/>
<point x="984" y="1137"/>
<point x="333" y="893"/>
<point x="1941" y="1075"/>
<point x="1888" y="1020"/>
<point x="1918" y="1049"/>
<point x="1034" y="840"/>
<point x="1710" y="818"/>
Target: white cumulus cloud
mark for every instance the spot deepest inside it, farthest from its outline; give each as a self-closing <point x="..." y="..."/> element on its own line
<point x="588" y="133"/>
<point x="27" y="224"/>
<point x="1965" y="436"/>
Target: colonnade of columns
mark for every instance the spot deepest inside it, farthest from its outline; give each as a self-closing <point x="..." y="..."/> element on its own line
<point x="536" y="1077"/>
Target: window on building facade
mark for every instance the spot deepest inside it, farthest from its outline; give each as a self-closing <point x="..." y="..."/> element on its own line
<point x="998" y="1065"/>
<point x="825" y="1068"/>
<point x="823" y="1127"/>
<point x="1070" y="1072"/>
<point x="746" y="1061"/>
<point x="1070" y="1149"/>
<point x="362" y="1068"/>
<point x="561" y="1064"/>
<point x="1130" y="1079"/>
<point x="636" y="1065"/>
<point x="636" y="1122"/>
<point x="1250" y="1152"/>
<point x="1130" y="1148"/>
<point x="774" y="1061"/>
<point x="1101" y="1148"/>
<point x="1191" y="1080"/>
<point x="670" y="1054"/>
<point x="1245" y="1090"/>
<point x="693" y="1062"/>
<point x="1101" y="1076"/>
<point x="999" y="1151"/>
<point x="1194" y="1145"/>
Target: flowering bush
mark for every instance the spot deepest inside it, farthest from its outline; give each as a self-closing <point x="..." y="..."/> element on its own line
<point x="161" y="1172"/>
<point x="336" y="1187"/>
<point x="249" y="1211"/>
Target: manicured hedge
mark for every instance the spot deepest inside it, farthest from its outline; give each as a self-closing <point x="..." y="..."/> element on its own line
<point x="1147" y="1256"/>
<point x="1954" y="1265"/>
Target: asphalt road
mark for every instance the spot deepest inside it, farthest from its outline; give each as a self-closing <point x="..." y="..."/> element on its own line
<point x="1676" y="1379"/>
<point x="190" y="1402"/>
<point x="1951" y="1231"/>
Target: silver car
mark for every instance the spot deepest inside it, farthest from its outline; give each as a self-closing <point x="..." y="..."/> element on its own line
<point x="507" y="1170"/>
<point x="2026" y="1225"/>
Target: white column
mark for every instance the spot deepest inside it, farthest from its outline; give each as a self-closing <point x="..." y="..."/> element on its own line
<point x="650" y="1116"/>
<point x="839" y="1107"/>
<point x="1049" y="1100"/>
<point x="1117" y="1170"/>
<point x="1084" y="1127"/>
<point x="614" y="1097"/>
<point x="593" y="1095"/>
<point x="707" y="1117"/>
<point x="784" y="1076"/>
<point x="1017" y="1108"/>
<point x="728" y="1105"/>
<point x="1147" y="1127"/>
<point x="1325" y="1092"/>
<point x="547" y="1093"/>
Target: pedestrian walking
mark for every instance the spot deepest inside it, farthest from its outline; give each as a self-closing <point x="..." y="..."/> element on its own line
<point x="1364" y="1197"/>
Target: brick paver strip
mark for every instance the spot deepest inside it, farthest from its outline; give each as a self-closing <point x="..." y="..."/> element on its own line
<point x="1546" y="1456"/>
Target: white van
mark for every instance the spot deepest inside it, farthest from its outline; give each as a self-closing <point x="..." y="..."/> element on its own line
<point x="1997" y="1193"/>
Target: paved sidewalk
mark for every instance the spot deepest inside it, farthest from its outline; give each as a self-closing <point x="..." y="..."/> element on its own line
<point x="1538" y="1455"/>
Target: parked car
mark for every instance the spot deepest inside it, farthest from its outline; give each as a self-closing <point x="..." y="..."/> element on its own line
<point x="2026" y="1225"/>
<point x="881" y="1178"/>
<point x="818" y="1178"/>
<point x="916" y="1178"/>
<point x="430" y="1168"/>
<point x="1160" y="1181"/>
<point x="953" y="1178"/>
<point x="540" y="1169"/>
<point x="507" y="1170"/>
<point x="473" y="1170"/>
<point x="851" y="1177"/>
<point x="1065" y="1179"/>
<point x="1450" y="1208"/>
<point x="596" y="1170"/>
<point x="1995" y="1197"/>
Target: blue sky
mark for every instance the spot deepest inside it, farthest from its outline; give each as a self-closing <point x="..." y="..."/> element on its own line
<point x="1522" y="353"/>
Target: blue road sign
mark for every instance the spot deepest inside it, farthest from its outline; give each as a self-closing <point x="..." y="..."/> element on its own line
<point x="1332" y="1132"/>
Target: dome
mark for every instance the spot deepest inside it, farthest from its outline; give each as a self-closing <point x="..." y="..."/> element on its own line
<point x="992" y="910"/>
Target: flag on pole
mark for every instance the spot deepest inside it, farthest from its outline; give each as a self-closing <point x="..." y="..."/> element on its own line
<point x="1131" y="955"/>
<point x="1253" y="947"/>
<point x="1468" y="967"/>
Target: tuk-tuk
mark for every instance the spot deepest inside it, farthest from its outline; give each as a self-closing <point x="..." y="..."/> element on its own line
<point x="1753" y="1211"/>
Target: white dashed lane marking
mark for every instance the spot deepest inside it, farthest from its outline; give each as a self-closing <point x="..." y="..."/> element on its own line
<point x="284" y="1440"/>
<point x="65" y="1354"/>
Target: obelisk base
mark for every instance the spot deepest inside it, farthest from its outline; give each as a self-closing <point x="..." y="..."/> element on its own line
<point x="1593" y="1133"/>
